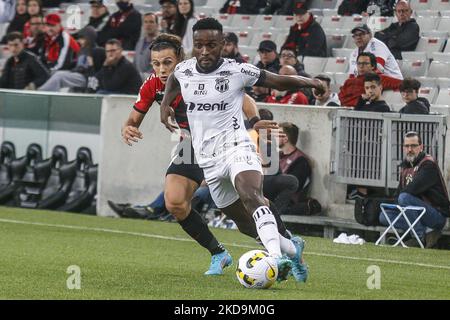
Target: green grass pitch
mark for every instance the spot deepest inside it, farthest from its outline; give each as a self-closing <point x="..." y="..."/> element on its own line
<point x="136" y="259"/>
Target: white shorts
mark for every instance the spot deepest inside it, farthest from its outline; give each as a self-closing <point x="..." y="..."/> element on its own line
<point x="220" y="177"/>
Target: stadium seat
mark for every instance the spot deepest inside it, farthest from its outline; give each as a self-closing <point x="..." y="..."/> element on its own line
<point x="414" y="55"/>
<point x="258" y="37"/>
<point x="245" y="38"/>
<point x="242" y="21"/>
<point x="421" y="4"/>
<point x="395" y="107"/>
<point x="264" y="22"/>
<point x="350" y="22"/>
<point x="314" y="65"/>
<point x="198" y="3"/>
<point x="439" y="69"/>
<point x="334" y="41"/>
<point x="444" y="24"/>
<point x="332" y="22"/>
<point x="324" y="4"/>
<point x="214" y="4"/>
<point x="430" y="45"/>
<point x="392" y="97"/>
<point x="440" y="5"/>
<point x="284" y="22"/>
<point x="427" y="23"/>
<point x="378" y="23"/>
<point x="349" y="43"/>
<point x="447" y="48"/>
<point x="440" y="109"/>
<point x="281" y="39"/>
<point x="336" y="64"/>
<point x="429" y="93"/>
<point x="225" y="19"/>
<point x="342" y="52"/>
<point x="427" y="81"/>
<point x="443" y="97"/>
<point x="443" y="83"/>
<point x="435" y="34"/>
<point x="340" y="78"/>
<point x="329" y="12"/>
<point x="440" y="56"/>
<point x="414" y="68"/>
<point x="129" y="55"/>
<point x="426" y="13"/>
<point x="250" y="52"/>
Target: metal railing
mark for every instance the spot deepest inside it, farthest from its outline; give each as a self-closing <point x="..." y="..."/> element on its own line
<point x="369" y="145"/>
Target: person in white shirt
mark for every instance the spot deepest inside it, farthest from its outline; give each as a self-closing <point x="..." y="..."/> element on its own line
<point x="213" y="89"/>
<point x="365" y="42"/>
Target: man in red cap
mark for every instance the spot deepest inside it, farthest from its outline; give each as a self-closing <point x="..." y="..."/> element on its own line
<point x="60" y="47"/>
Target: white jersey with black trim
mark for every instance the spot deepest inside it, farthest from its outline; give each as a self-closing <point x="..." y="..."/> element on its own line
<point x="214" y="106"/>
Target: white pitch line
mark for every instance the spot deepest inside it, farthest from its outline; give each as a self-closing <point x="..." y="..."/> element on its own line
<point x="155" y="236"/>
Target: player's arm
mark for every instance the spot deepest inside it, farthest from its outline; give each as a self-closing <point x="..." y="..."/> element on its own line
<point x="251" y="112"/>
<point x="130" y="129"/>
<point x="283" y="83"/>
<point x="172" y="90"/>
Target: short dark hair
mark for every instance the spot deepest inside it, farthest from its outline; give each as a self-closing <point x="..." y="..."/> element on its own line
<point x="372" y="76"/>
<point x="168" y="41"/>
<point x="410" y="84"/>
<point x="412" y="134"/>
<point x="291" y="131"/>
<point x="265" y="114"/>
<point x="152" y="14"/>
<point x="208" y="24"/>
<point x="14" y="36"/>
<point x="324" y="77"/>
<point x="373" y="59"/>
<point x="114" y="42"/>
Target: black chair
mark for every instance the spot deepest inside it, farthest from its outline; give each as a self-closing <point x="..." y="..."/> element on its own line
<point x="7" y="154"/>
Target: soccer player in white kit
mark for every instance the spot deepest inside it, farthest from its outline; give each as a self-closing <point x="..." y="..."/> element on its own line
<point x="213" y="89"/>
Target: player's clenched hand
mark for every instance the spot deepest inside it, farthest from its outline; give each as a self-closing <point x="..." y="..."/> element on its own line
<point x="131" y="134"/>
<point x="166" y="113"/>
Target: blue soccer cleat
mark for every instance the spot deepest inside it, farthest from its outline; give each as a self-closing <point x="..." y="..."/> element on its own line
<point x="284" y="267"/>
<point x="299" y="268"/>
<point x="219" y="262"/>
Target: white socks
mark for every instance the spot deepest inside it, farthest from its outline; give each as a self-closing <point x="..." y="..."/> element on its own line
<point x="266" y="226"/>
<point x="287" y="246"/>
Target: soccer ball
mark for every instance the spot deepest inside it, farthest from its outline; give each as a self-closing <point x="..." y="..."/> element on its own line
<point x="257" y="270"/>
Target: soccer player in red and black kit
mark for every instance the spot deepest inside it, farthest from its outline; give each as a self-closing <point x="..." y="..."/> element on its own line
<point x="182" y="179"/>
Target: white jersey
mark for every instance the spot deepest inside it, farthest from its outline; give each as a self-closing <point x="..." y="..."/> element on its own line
<point x="214" y="106"/>
<point x="386" y="62"/>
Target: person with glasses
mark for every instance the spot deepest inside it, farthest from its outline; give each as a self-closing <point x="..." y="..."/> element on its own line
<point x="402" y="35"/>
<point x="409" y="90"/>
<point x="306" y="35"/>
<point x="386" y="63"/>
<point x="353" y="88"/>
<point x="422" y="185"/>
<point x="35" y="38"/>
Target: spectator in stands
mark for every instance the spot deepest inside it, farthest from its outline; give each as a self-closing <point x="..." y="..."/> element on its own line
<point x="34" y="8"/>
<point x="421" y="185"/>
<point x="124" y="25"/>
<point x="371" y="100"/>
<point x="288" y="56"/>
<point x="7" y="10"/>
<point x="117" y="75"/>
<point x="351" y="7"/>
<point x="364" y="41"/>
<point x="60" y="47"/>
<point x="410" y="95"/>
<point x="142" y="52"/>
<point x="53" y="3"/>
<point x="353" y="87"/>
<point x="22" y="70"/>
<point x="19" y="20"/>
<point x="269" y="61"/>
<point x="380" y="8"/>
<point x="35" y="41"/>
<point x="295" y="162"/>
<point x="306" y="35"/>
<point x="402" y="35"/>
<point x="184" y="22"/>
<point x="99" y="15"/>
<point x="90" y="61"/>
<point x="169" y="14"/>
<point x="327" y="99"/>
<point x="243" y="7"/>
<point x="282" y="8"/>
<point x="231" y="48"/>
<point x="287" y="97"/>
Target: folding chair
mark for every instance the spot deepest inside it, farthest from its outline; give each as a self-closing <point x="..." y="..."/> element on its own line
<point x="402" y="213"/>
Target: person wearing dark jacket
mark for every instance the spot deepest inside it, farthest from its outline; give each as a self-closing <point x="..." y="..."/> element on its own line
<point x="421" y="185"/>
<point x="22" y="70"/>
<point x="231" y="49"/>
<point x="90" y="61"/>
<point x="306" y="35"/>
<point x="351" y="7"/>
<point x="414" y="104"/>
<point x="117" y="75"/>
<point x="124" y="25"/>
<point x="371" y="100"/>
<point x="19" y="20"/>
<point x="402" y="35"/>
<point x="99" y="15"/>
<point x="243" y="7"/>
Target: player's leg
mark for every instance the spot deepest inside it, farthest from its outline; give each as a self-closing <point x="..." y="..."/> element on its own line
<point x="178" y="193"/>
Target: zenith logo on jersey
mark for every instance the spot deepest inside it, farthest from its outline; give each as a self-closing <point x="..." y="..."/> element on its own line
<point x="207" y="106"/>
